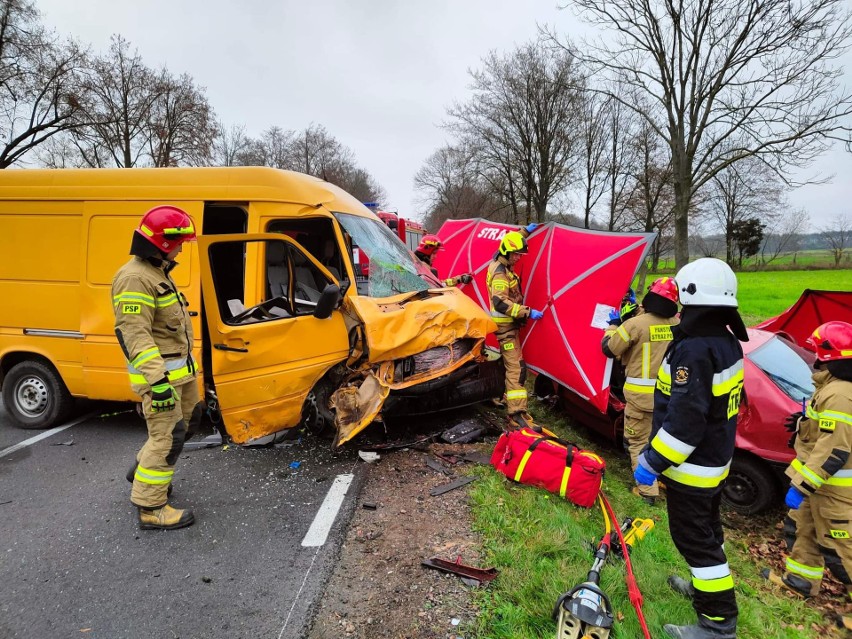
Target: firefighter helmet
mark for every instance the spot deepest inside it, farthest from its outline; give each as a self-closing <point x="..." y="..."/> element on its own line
<point x="166" y="227"/>
<point x="513" y="242"/>
<point x="665" y="287"/>
<point x="707" y="282"/>
<point x="832" y="341"/>
<point x="429" y="244"/>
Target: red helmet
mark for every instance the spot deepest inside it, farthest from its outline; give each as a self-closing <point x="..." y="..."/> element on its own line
<point x="429" y="244"/>
<point x="166" y="227"/>
<point x="831" y="341"/>
<point x="665" y="287"/>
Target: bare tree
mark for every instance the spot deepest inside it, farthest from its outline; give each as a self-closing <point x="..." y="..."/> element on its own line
<point x="783" y="234"/>
<point x="621" y="162"/>
<point x="181" y="122"/>
<point x="450" y="186"/>
<point x="596" y="129"/>
<point x="124" y="90"/>
<point x="838" y="234"/>
<point x="522" y="118"/>
<point x="739" y="192"/>
<point x="231" y="145"/>
<point x="727" y="80"/>
<point x="40" y="87"/>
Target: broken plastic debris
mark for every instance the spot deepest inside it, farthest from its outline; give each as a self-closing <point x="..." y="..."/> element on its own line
<point x="369" y="456"/>
<point x="455" y="621"/>
<point x="295" y="464"/>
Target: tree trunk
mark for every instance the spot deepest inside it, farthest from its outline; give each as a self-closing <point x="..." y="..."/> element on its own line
<point x="682" y="192"/>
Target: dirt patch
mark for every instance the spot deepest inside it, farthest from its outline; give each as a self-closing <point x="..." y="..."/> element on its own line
<point x="379" y="588"/>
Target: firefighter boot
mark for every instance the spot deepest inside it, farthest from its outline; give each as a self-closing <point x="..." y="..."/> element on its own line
<point x="707" y="629"/>
<point x="131" y="473"/>
<point x="794" y="583"/>
<point x="523" y="420"/>
<point x="165" y="518"/>
<point x="681" y="586"/>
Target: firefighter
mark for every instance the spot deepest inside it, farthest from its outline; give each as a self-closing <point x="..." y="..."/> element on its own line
<point x="426" y="250"/>
<point x="820" y="493"/>
<point x="154" y="331"/>
<point x="640" y="343"/>
<point x="504" y="291"/>
<point x="696" y="401"/>
<point x="627" y="308"/>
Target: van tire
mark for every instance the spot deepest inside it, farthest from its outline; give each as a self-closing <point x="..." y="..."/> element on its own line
<point x="35" y="395"/>
<point x="751" y="486"/>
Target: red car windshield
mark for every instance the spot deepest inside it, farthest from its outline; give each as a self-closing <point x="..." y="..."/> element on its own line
<point x="784" y="364"/>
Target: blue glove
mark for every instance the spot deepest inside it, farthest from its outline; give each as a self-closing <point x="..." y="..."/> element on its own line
<point x="532" y="226"/>
<point x="614" y="317"/>
<point x="536" y="315"/>
<point x="794" y="498"/>
<point x="643" y="476"/>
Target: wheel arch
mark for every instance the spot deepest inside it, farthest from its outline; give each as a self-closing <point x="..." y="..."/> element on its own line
<point x="13" y="358"/>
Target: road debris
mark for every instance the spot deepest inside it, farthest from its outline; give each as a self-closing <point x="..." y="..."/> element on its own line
<point x="470" y="430"/>
<point x="434" y="464"/>
<point x="369" y="456"/>
<point x="445" y="488"/>
<point x="458" y="568"/>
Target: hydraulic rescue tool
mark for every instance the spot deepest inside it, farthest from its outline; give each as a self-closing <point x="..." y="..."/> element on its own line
<point x="633" y="530"/>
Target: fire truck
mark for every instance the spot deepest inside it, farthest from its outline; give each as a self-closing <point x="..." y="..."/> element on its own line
<point x="410" y="233"/>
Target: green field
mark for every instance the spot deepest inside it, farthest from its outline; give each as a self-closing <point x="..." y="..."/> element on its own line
<point x="800" y="259"/>
<point x="764" y="294"/>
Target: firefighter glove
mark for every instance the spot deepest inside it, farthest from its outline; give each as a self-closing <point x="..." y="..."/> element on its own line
<point x="643" y="476"/>
<point x="467" y="278"/>
<point x="794" y="498"/>
<point x="792" y="422"/>
<point x="536" y="315"/>
<point x="532" y="226"/>
<point x="614" y="317"/>
<point x="162" y="397"/>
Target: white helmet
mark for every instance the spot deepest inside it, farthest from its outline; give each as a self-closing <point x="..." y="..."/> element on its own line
<point x="707" y="282"/>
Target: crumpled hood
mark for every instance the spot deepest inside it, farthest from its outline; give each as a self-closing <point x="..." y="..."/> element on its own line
<point x="410" y="323"/>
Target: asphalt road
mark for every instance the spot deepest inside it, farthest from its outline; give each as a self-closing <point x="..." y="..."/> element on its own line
<point x="73" y="562"/>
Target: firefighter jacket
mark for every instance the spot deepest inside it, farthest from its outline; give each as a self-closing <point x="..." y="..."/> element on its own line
<point x="696" y="401"/>
<point x="504" y="291"/>
<point x="152" y="324"/>
<point x="824" y="440"/>
<point x="640" y="343"/>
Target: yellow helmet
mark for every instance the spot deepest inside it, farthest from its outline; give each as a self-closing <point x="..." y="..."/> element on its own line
<point x="513" y="242"/>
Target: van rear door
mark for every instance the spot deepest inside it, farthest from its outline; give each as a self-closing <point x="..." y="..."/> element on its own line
<point x="268" y="350"/>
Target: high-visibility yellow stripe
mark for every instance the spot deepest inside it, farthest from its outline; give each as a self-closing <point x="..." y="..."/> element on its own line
<point x="727" y="380"/>
<point x="636" y="388"/>
<point x="516" y="394"/>
<point x="563" y="485"/>
<point x="646" y="359"/>
<point x="808" y="572"/>
<point x="668" y="451"/>
<point x="707" y="479"/>
<point x="154" y="477"/>
<point x="623" y="333"/>
<point x="167" y="300"/>
<point x="140" y="298"/>
<point x="516" y="308"/>
<point x="664" y="379"/>
<point x="846" y="418"/>
<point x="519" y="473"/>
<point x="145" y="356"/>
<point x="807" y="473"/>
<point x="713" y="585"/>
<point x="501" y="319"/>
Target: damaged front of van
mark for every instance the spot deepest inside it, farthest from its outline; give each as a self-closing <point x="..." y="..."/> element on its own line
<point x="404" y="334"/>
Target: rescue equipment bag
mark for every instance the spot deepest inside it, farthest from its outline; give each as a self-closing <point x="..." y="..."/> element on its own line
<point x="546" y="461"/>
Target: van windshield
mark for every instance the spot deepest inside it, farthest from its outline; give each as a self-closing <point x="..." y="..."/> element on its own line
<point x="383" y="266"/>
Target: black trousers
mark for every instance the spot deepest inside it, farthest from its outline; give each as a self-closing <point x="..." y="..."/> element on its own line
<point x="696" y="531"/>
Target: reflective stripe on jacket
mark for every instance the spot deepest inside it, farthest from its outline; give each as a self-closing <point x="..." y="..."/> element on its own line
<point x="824" y="441"/>
<point x="696" y="401"/>
<point x="152" y="325"/>
<point x="504" y="292"/>
<point x="640" y="344"/>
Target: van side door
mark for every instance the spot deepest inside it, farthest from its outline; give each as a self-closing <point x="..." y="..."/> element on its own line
<point x="267" y="348"/>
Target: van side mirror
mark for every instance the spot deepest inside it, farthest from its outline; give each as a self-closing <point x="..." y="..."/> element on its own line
<point x="328" y="301"/>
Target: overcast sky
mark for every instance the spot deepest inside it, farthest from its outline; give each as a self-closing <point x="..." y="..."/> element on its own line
<point x="378" y="74"/>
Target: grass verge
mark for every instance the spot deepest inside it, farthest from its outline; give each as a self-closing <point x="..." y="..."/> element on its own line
<point x="542" y="547"/>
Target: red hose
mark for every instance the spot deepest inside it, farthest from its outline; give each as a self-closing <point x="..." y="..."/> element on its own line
<point x="633" y="591"/>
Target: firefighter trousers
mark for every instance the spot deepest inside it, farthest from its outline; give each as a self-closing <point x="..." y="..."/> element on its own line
<point x="166" y="434"/>
<point x="819" y="535"/>
<point x="696" y="531"/>
<point x="516" y="370"/>
<point x="637" y="432"/>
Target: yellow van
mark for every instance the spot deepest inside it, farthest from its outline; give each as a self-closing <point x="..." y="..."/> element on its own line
<point x="289" y="328"/>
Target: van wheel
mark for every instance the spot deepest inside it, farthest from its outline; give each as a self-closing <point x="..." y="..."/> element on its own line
<point x="35" y="396"/>
<point x="317" y="418"/>
<point x="751" y="487"/>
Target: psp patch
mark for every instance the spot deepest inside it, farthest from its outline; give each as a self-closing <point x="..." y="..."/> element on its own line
<point x="131" y="309"/>
<point x="681" y="375"/>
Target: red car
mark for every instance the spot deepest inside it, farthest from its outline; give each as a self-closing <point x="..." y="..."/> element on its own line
<point x="777" y="378"/>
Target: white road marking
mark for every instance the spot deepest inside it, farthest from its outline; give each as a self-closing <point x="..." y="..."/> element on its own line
<point x="298" y="594"/>
<point x="327" y="513"/>
<point x="45" y="434"/>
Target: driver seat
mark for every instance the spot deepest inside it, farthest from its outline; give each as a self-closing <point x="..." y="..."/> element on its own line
<point x="277" y="273"/>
